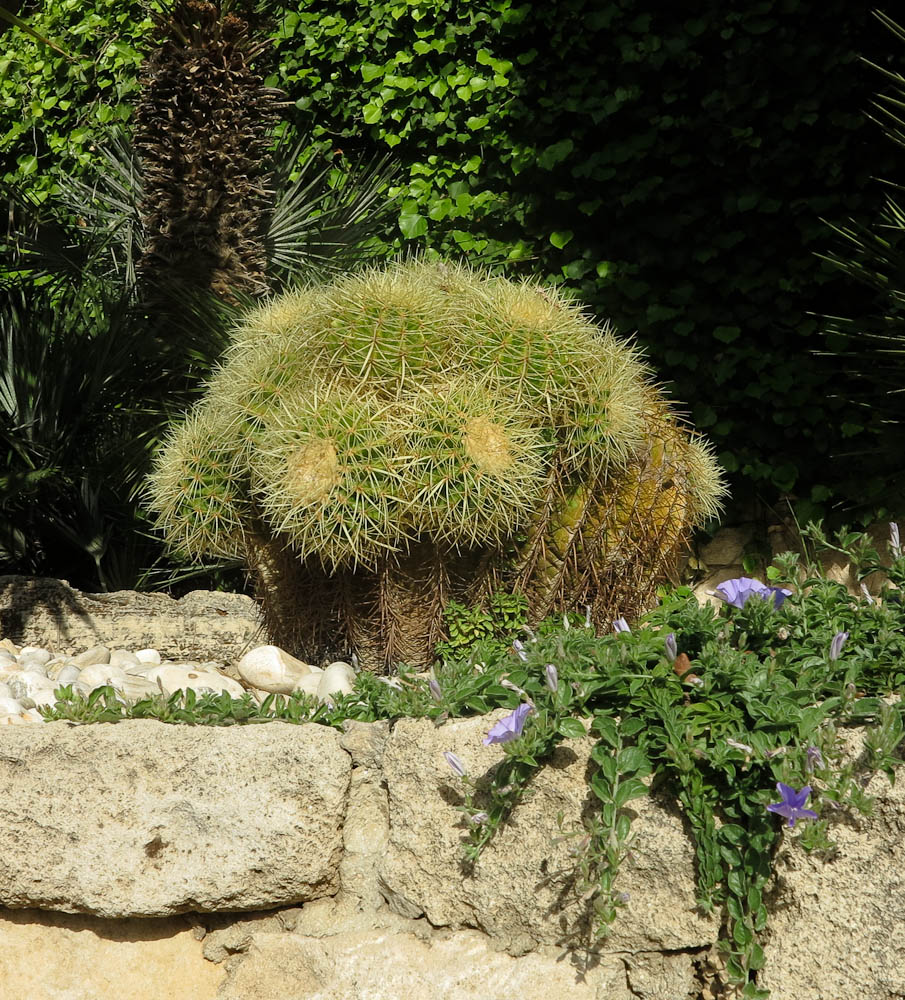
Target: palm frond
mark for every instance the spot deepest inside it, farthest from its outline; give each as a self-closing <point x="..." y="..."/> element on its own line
<point x="326" y="213"/>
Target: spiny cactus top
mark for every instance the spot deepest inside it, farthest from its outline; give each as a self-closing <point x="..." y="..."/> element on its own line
<point x="421" y="401"/>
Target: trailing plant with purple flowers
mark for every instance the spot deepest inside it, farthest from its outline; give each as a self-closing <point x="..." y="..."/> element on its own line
<point x="738" y="711"/>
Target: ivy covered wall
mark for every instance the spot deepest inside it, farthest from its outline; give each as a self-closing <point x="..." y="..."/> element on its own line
<point x="673" y="169"/>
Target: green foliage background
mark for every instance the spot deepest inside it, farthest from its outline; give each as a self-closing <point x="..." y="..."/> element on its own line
<point x="673" y="170"/>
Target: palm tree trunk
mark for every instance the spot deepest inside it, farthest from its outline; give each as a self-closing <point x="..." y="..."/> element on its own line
<point x="203" y="125"/>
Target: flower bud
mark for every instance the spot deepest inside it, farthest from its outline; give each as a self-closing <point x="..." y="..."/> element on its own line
<point x="672" y="649"/>
<point x="435" y="689"/>
<point x="457" y="766"/>
<point x="552" y="677"/>
<point x="837" y="644"/>
<point x="621" y="625"/>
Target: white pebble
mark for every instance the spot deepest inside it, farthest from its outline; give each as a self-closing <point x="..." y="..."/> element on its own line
<point x="45" y="696"/>
<point x="55" y="668"/>
<point x="310" y="684"/>
<point x="123" y="658"/>
<point x="148" y="656"/>
<point x="33" y="665"/>
<point x="175" y="678"/>
<point x="140" y="669"/>
<point x="272" y="669"/>
<point x="338" y="678"/>
<point x="97" y="654"/>
<point x="38" y="653"/>
<point x="134" y="687"/>
<point x="68" y="675"/>
<point x="29" y="684"/>
<point x="10" y="706"/>
<point x="99" y="674"/>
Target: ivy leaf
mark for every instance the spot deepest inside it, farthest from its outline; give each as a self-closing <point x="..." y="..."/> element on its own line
<point x="412" y="224"/>
<point x="370" y="71"/>
<point x="371" y="113"/>
<point x="555" y="154"/>
<point x="560" y="239"/>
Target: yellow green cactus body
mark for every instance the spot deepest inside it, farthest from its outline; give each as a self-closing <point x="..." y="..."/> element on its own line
<point x="425" y="431"/>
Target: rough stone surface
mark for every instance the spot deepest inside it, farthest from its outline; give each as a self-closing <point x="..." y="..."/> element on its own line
<point x="49" y="613"/>
<point x="727" y="546"/>
<point x="837" y="928"/>
<point x="380" y="966"/>
<point x="365" y="741"/>
<point x="522" y="889"/>
<point x="142" y="818"/>
<point x="57" y="956"/>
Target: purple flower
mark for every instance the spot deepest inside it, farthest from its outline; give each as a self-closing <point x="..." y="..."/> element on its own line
<point x="837" y="644"/>
<point x="454" y="762"/>
<point x="509" y="727"/>
<point x="552" y="677"/>
<point x="435" y="689"/>
<point x="672" y="650"/>
<point x="815" y="759"/>
<point x="737" y="591"/>
<point x="621" y="625"/>
<point x="519" y="649"/>
<point x="478" y="819"/>
<point x="792" y="805"/>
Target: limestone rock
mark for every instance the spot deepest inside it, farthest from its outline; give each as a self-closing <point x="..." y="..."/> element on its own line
<point x="365" y="741"/>
<point x="143" y="818"/>
<point x="199" y="626"/>
<point x="387" y="967"/>
<point x="727" y="546"/>
<point x="837" y="928"/>
<point x="522" y="890"/>
<point x="56" y="956"/>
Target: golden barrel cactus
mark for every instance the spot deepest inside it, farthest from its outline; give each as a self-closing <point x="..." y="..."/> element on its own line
<point x="407" y="435"/>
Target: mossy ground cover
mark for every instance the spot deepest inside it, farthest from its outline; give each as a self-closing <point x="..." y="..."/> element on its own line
<point x="735" y="710"/>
